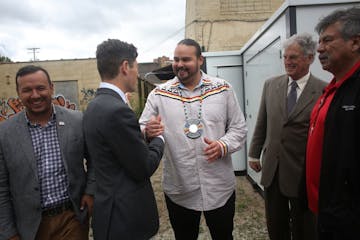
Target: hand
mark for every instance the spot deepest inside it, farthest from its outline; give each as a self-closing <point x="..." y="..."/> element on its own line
<point x="213" y="150"/>
<point x="87" y="201"/>
<point x="128" y="96"/>
<point x="154" y="127"/>
<point x="255" y="165"/>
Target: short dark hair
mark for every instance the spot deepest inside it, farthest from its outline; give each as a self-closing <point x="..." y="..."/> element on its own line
<point x="191" y="42"/>
<point x="110" y="54"/>
<point x="29" y="69"/>
<point x="349" y="19"/>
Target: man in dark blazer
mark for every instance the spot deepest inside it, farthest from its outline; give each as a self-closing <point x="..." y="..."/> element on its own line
<point x="124" y="206"/>
<point x="280" y="136"/>
<point x="43" y="181"/>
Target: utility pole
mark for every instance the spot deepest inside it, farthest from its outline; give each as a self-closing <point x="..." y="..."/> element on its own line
<point x="33" y="51"/>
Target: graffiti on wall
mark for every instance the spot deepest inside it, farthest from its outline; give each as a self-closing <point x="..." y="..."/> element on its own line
<point x="62" y="101"/>
<point x="87" y="95"/>
<point x="11" y="106"/>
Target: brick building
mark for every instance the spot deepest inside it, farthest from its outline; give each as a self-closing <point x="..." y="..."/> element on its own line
<point x="222" y="25"/>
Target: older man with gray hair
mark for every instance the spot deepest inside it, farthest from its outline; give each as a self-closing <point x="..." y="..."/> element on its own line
<point x="280" y="135"/>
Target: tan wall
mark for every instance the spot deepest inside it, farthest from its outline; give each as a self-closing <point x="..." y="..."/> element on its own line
<point x="220" y="25"/>
<point x="84" y="71"/>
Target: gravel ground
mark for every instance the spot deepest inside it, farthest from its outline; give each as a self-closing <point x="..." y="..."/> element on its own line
<point x="249" y="221"/>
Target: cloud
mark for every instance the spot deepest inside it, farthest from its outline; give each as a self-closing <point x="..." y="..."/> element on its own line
<point x="72" y="29"/>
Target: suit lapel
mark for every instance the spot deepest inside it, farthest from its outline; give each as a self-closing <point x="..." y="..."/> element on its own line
<point x="62" y="131"/>
<point x="23" y="138"/>
<point x="306" y="97"/>
<point x="281" y="90"/>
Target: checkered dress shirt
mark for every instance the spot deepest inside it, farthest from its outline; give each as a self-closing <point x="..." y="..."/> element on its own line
<point x="51" y="171"/>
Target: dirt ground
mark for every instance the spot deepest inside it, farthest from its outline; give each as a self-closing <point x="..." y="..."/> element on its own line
<point x="249" y="221"/>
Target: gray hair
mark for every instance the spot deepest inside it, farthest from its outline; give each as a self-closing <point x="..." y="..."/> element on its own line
<point x="349" y="19"/>
<point x="304" y="40"/>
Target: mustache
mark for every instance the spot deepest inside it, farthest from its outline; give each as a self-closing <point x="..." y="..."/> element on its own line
<point x="36" y="99"/>
<point x="323" y="56"/>
<point x="180" y="68"/>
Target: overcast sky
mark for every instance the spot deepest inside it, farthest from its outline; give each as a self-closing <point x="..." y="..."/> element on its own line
<point x="67" y="29"/>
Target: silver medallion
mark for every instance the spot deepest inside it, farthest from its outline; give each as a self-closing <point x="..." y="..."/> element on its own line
<point x="193" y="128"/>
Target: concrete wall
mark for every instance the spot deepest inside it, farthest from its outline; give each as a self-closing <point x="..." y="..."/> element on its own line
<point x="81" y="74"/>
<point x="75" y="81"/>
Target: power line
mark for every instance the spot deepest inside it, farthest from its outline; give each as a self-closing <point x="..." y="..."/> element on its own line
<point x="201" y="21"/>
<point x="33" y="51"/>
<point x="169" y="37"/>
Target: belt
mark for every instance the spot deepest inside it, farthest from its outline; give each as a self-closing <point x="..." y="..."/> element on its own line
<point x="57" y="209"/>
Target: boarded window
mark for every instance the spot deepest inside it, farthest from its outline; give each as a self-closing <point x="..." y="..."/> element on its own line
<point x="68" y="89"/>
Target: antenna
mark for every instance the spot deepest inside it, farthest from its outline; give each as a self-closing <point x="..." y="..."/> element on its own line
<point x="33" y="51"/>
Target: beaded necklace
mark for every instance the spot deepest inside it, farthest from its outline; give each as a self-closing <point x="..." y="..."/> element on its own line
<point x="193" y="127"/>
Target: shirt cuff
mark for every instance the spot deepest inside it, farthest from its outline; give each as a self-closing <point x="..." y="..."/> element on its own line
<point x="162" y="138"/>
<point x="250" y="159"/>
<point x="224" y="148"/>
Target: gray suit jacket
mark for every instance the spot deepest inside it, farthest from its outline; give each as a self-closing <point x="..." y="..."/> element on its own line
<point x="20" y="210"/>
<point x="124" y="206"/>
<point x="281" y="138"/>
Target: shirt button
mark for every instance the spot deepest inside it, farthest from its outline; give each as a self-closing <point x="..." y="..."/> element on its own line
<point x="36" y="188"/>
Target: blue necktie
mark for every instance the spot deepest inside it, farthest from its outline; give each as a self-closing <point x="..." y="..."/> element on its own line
<point x="291" y="99"/>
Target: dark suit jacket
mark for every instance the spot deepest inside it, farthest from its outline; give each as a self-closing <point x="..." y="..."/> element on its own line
<point x="124" y="206"/>
<point x="281" y="138"/>
<point x="20" y="210"/>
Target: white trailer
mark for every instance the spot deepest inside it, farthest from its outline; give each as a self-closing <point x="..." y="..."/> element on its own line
<point x="261" y="58"/>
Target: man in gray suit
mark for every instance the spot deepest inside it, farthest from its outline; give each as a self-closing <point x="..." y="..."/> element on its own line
<point x="280" y="136"/>
<point x="45" y="192"/>
<point x="124" y="206"/>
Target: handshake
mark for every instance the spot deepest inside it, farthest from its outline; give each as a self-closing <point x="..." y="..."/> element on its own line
<point x="154" y="128"/>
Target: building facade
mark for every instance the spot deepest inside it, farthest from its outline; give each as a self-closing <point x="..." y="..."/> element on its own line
<point x="75" y="82"/>
<point x="223" y="25"/>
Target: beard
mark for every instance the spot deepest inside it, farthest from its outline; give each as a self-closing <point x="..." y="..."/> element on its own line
<point x="185" y="74"/>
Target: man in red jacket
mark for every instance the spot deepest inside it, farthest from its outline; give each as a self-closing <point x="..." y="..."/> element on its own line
<point x="333" y="157"/>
